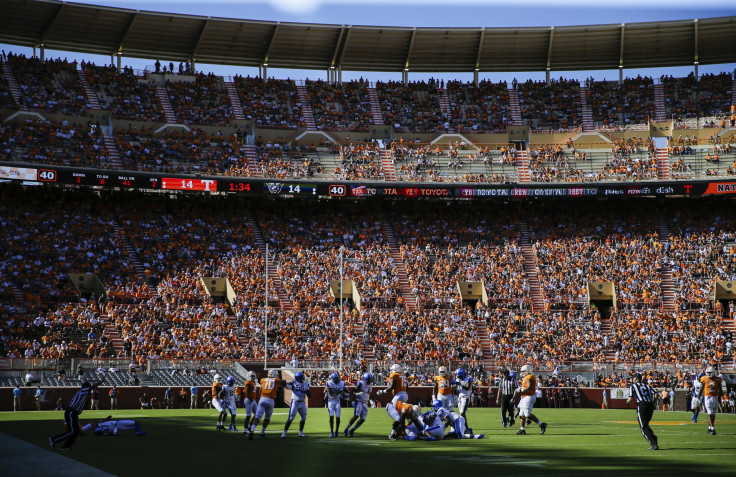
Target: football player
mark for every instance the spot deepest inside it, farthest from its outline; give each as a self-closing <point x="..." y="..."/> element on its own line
<point x="712" y="388"/>
<point x="431" y="428"/>
<point x="334" y="390"/>
<point x="362" y="392"/>
<point x="695" y="399"/>
<point x="526" y="403"/>
<point x="249" y="399"/>
<point x="398" y="385"/>
<point x="299" y="392"/>
<point x="464" y="388"/>
<point x="229" y="402"/>
<point x="270" y="386"/>
<point x="110" y="427"/>
<point x="442" y="389"/>
<point x="455" y="422"/>
<point x="400" y="412"/>
<point x="218" y="402"/>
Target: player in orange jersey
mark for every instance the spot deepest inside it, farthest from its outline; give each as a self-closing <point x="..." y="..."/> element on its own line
<point x="526" y="403"/>
<point x="712" y="388"/>
<point x="250" y="402"/>
<point x="270" y="387"/>
<point x="442" y="389"/>
<point x="400" y="412"/>
<point x="398" y="385"/>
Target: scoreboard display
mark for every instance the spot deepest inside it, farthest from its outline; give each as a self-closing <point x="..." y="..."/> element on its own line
<point x="100" y="178"/>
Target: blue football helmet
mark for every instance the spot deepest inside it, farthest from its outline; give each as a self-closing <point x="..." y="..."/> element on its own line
<point x="428" y="417"/>
<point x="335" y="377"/>
<point x="437" y="405"/>
<point x="367" y="378"/>
<point x="460" y="373"/>
<point x="299" y="377"/>
<point x="230" y="381"/>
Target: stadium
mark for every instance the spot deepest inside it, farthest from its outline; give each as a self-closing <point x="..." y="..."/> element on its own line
<point x="166" y="229"/>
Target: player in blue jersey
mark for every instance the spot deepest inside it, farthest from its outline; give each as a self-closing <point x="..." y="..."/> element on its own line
<point x="299" y="388"/>
<point x="362" y="393"/>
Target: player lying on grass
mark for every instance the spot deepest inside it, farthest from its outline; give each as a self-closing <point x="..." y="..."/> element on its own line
<point x="110" y="427"/>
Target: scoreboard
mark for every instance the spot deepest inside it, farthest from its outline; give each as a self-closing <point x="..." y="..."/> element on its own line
<point x="64" y="175"/>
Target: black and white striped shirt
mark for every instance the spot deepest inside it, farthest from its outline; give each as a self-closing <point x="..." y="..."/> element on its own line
<point x="642" y="392"/>
<point x="507" y="386"/>
<point x="79" y="400"/>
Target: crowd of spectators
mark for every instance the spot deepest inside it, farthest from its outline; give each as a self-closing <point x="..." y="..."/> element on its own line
<point x="479" y="109"/>
<point x="412" y="107"/>
<point x="550" y="106"/>
<point x="6" y="96"/>
<point x="202" y="101"/>
<point x="271" y="103"/>
<point x="51" y="86"/>
<point x="50" y="143"/>
<point x="631" y="159"/>
<point x="340" y="107"/>
<point x="124" y="94"/>
<point x="180" y="151"/>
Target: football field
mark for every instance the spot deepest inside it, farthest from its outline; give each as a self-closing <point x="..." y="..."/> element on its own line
<point x="184" y="442"/>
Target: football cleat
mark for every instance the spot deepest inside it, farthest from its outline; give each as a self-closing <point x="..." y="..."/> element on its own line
<point x="250" y="436"/>
<point x="301" y="434"/>
<point x="478" y="436"/>
<point x="140" y="433"/>
<point x="345" y="433"/>
<point x="694" y="418"/>
<point x="392" y="436"/>
<point x="283" y="434"/>
<point x="521" y="432"/>
<point x="352" y="431"/>
<point x="332" y="434"/>
<point x="543" y="427"/>
<point x="262" y="435"/>
<point x="51" y="443"/>
<point x="654" y="447"/>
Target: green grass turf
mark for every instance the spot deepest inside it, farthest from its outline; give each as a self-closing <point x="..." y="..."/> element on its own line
<point x="578" y="442"/>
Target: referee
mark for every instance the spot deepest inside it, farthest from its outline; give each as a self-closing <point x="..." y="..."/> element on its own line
<point x="645" y="399"/>
<point x="71" y="416"/>
<point x="505" y="397"/>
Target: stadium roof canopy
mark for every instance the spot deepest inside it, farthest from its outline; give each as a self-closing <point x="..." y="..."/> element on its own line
<point x="171" y="37"/>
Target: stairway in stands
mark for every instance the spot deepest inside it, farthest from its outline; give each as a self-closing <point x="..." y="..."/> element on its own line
<point x="587" y="111"/>
<point x="410" y="300"/>
<point x="515" y="107"/>
<point x="481" y="329"/>
<point x="232" y="92"/>
<point x="733" y="91"/>
<point x="387" y="164"/>
<point x="530" y="268"/>
<point x="132" y="254"/>
<point x="607" y="330"/>
<point x="253" y="163"/>
<point x="663" y="164"/>
<point x="659" y="111"/>
<point x="113" y="335"/>
<point x="445" y="108"/>
<point x="669" y="304"/>
<point x="273" y="275"/>
<point x="13" y="85"/>
<point x="365" y="349"/>
<point x="113" y="155"/>
<point x="375" y="107"/>
<point x="88" y="91"/>
<point x="163" y="98"/>
<point x="306" y="108"/>
<point x="522" y="166"/>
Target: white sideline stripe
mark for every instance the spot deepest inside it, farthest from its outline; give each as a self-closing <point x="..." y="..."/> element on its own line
<point x="23" y="459"/>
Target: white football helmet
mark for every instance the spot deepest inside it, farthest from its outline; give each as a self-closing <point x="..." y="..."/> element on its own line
<point x="272" y="373"/>
<point x="416" y="411"/>
<point x="710" y="371"/>
<point x="526" y="369"/>
<point x="443" y="371"/>
<point x="395" y="368"/>
<point x="252" y="376"/>
<point x="217" y="378"/>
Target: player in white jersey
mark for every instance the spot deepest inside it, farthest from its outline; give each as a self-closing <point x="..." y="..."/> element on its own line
<point x="299" y="393"/>
<point x="109" y="427"/>
<point x="695" y="400"/>
<point x="464" y="387"/>
<point x="455" y="422"/>
<point x="362" y="392"/>
<point x="228" y="402"/>
<point x="334" y="389"/>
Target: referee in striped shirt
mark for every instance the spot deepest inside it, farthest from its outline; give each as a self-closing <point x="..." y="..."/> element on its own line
<point x="645" y="400"/>
<point x="71" y="416"/>
<point x="505" y="399"/>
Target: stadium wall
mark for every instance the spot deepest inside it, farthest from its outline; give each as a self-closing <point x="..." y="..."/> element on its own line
<point x="129" y="395"/>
